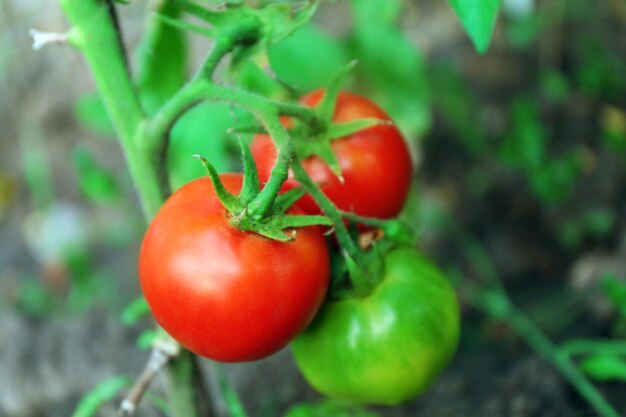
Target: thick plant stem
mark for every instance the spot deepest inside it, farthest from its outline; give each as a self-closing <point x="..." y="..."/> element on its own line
<point x="187" y="391"/>
<point x="94" y="33"/>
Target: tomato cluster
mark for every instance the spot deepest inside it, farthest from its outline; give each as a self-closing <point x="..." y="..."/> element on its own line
<point x="233" y="295"/>
<point x="375" y="162"/>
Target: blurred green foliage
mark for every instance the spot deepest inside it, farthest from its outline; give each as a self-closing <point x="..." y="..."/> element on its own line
<point x="329" y="408"/>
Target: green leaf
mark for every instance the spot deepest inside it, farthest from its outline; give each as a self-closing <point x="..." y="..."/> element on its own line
<point x="161" y="59"/>
<point x="103" y="392"/>
<point x="96" y="183"/>
<point x="326" y="107"/>
<point x="92" y="115"/>
<point x="478" y="17"/>
<point x="203" y="130"/>
<point x="146" y="339"/>
<point x="392" y="67"/>
<point x="135" y="311"/>
<point x="330" y="408"/>
<point x="233" y="403"/>
<point x="605" y="367"/>
<point x="459" y="108"/>
<point x="307" y="59"/>
<point x="341" y="130"/>
<point x="524" y="147"/>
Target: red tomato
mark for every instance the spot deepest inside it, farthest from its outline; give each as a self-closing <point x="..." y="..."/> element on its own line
<point x="223" y="293"/>
<point x="375" y="162"/>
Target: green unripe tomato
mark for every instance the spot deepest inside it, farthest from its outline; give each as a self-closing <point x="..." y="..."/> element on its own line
<point x="389" y="346"/>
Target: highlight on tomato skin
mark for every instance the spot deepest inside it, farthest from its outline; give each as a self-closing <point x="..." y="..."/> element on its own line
<point x="375" y="162"/>
<point x="223" y="293"/>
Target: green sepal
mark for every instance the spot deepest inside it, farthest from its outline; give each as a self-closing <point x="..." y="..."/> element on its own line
<point x="326" y="107"/>
<point x="340" y="130"/>
<point x="275" y="224"/>
<point x="250" y="187"/>
<point x="183" y="25"/>
<point x="288" y="199"/>
<point x="290" y="221"/>
<point x="269" y="228"/>
<point x="230" y="202"/>
<point x="322" y="147"/>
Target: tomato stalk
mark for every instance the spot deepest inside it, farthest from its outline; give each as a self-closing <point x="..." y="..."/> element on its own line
<point x="96" y="35"/>
<point x="361" y="278"/>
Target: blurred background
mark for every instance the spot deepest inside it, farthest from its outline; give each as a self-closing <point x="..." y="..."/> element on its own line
<point x="520" y="175"/>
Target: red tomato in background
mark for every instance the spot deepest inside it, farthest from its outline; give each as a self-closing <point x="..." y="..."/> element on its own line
<point x="223" y="293"/>
<point x="375" y="162"/>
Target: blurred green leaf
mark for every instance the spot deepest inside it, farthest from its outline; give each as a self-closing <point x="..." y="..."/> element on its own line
<point x="96" y="183"/>
<point x="36" y="167"/>
<point x="202" y="130"/>
<point x="478" y="17"/>
<point x="161" y="59"/>
<point x="392" y="66"/>
<point x="135" y="311"/>
<point x="522" y="33"/>
<point x="524" y="147"/>
<point x="599" y="222"/>
<point x="92" y="115"/>
<point x="601" y="70"/>
<point x="103" y="392"/>
<point x="553" y="181"/>
<point x="330" y="408"/>
<point x="307" y="59"/>
<point x="615" y="289"/>
<point x="146" y="339"/>
<point x="605" y="367"/>
<point x="554" y="86"/>
<point x="34" y="298"/>
<point x="233" y="402"/>
<point x="458" y="106"/>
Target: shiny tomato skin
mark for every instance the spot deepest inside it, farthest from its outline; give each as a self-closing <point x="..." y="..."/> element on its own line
<point x="375" y="162"/>
<point x="223" y="293"/>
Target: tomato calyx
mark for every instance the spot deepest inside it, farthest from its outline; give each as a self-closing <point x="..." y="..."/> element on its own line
<point x="274" y="224"/>
<point x="317" y="139"/>
<point x="359" y="275"/>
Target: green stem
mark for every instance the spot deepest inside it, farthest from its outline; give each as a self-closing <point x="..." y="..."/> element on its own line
<point x="592" y="346"/>
<point x="95" y="35"/>
<point x="360" y="281"/>
<point x="529" y="331"/>
<point x="486" y="299"/>
<point x="286" y="150"/>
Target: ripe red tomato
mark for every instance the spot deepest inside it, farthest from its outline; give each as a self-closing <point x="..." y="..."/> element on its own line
<point x="375" y="162"/>
<point x="223" y="293"/>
